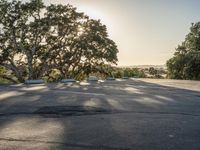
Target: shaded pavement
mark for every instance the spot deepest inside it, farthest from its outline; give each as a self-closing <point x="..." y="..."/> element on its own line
<point x="130" y="114"/>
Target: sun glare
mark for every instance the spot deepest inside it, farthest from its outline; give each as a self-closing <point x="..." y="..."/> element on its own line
<point x="80" y="30"/>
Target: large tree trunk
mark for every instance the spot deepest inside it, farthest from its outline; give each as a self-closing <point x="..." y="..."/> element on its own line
<point x="30" y="69"/>
<point x="29" y="55"/>
<point x="43" y="68"/>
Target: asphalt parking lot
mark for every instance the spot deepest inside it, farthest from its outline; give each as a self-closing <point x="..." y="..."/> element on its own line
<point x="133" y="114"/>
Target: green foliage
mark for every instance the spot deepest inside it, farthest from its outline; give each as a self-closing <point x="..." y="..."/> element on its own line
<point x="153" y="71"/>
<point x="128" y="72"/>
<point x="186" y="61"/>
<point x="5" y="76"/>
<point x="36" y="40"/>
<point x="156" y="73"/>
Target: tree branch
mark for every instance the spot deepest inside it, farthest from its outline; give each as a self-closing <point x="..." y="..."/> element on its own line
<point x="8" y="78"/>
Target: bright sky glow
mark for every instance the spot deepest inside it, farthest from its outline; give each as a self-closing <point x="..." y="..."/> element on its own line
<point x="146" y="31"/>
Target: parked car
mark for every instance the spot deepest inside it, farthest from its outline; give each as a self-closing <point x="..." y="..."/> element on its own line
<point x="124" y="77"/>
<point x="92" y="79"/>
<point x="110" y="78"/>
<point x="68" y="81"/>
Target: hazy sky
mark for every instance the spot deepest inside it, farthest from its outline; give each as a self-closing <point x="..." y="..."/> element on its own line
<point x="146" y="31"/>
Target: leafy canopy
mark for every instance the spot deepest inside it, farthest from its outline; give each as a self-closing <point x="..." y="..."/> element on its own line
<point x="37" y="40"/>
<point x="185" y="63"/>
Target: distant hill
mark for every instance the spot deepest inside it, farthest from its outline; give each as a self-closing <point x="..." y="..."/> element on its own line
<point x="145" y="66"/>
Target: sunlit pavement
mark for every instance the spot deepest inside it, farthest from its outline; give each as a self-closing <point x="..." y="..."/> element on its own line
<point x="135" y="114"/>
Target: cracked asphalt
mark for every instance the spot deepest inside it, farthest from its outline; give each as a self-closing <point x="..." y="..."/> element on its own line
<point x="134" y="114"/>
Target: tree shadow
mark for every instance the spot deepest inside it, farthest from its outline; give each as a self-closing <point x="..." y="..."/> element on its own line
<point x="134" y="101"/>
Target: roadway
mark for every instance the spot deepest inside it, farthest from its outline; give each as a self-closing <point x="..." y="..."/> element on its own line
<point x="134" y="114"/>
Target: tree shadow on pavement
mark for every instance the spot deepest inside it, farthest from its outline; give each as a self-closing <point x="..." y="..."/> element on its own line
<point x="129" y="114"/>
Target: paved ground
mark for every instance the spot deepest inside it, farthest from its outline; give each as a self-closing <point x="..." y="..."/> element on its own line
<point x="134" y="114"/>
